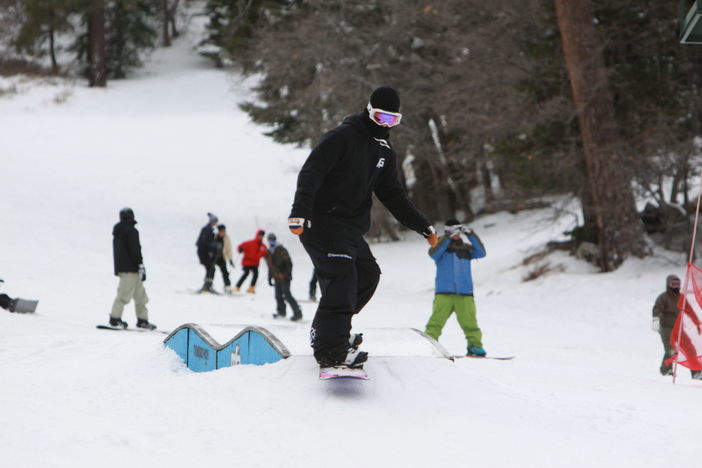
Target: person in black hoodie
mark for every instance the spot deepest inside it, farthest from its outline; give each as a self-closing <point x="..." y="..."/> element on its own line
<point x="207" y="250"/>
<point x="331" y="213"/>
<point x="129" y="266"/>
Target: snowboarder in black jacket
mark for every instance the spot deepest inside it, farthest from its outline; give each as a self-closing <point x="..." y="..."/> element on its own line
<point x="129" y="266"/>
<point x="331" y="213"/>
<point x="207" y="250"/>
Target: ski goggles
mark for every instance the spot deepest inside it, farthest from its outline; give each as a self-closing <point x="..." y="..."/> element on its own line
<point x="383" y="117"/>
<point x="455" y="229"/>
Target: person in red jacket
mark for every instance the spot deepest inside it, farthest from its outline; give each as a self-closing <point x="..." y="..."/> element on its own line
<point x="253" y="251"/>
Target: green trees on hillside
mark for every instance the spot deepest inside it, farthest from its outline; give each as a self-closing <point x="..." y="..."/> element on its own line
<point x="107" y="36"/>
<point x="490" y="120"/>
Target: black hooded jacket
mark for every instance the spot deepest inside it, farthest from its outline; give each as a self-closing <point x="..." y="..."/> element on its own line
<point x="126" y="248"/>
<point x="336" y="184"/>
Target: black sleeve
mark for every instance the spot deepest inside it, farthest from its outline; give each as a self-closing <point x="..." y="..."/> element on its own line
<point x="320" y="161"/>
<point x="133" y="246"/>
<point x="391" y="193"/>
<point x="207" y="239"/>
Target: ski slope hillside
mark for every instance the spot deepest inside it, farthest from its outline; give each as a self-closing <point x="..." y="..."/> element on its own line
<point x="584" y="390"/>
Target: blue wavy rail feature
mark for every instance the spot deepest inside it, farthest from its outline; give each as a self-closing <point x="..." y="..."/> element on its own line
<point x="202" y="353"/>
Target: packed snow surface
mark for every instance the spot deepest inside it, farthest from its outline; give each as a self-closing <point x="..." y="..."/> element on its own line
<point x="170" y="142"/>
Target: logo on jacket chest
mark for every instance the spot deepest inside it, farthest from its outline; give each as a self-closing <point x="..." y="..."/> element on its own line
<point x="381" y="163"/>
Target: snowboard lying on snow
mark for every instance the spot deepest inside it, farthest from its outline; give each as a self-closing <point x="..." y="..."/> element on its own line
<point x="496" y="358"/>
<point x="141" y="330"/>
<point x="23" y="306"/>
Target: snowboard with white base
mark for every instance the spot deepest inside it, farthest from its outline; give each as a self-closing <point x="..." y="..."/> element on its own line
<point x="496" y="358"/>
<point x="331" y="373"/>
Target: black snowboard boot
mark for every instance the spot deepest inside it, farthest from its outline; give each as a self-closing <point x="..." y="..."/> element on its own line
<point x="342" y="356"/>
<point x="207" y="287"/>
<point x="141" y="323"/>
<point x="355" y="340"/>
<point x="117" y="322"/>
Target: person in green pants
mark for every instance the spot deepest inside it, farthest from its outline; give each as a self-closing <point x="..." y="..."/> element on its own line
<point x="454" y="284"/>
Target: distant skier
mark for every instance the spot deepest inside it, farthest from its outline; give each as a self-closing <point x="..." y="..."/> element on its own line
<point x="207" y="251"/>
<point x="454" y="284"/>
<point x="665" y="313"/>
<point x="331" y="213"/>
<point x="253" y="251"/>
<point x="280" y="270"/>
<point x="224" y="255"/>
<point x="129" y="266"/>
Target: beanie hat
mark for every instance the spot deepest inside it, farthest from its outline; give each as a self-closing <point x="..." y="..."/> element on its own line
<point x="221" y="227"/>
<point x="271" y="237"/>
<point x="212" y="218"/>
<point x="451" y="222"/>
<point x="385" y="98"/>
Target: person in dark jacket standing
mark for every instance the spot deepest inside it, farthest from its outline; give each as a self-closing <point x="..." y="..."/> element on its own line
<point x="129" y="267"/>
<point x="454" y="284"/>
<point x="665" y="313"/>
<point x="207" y="251"/>
<point x="280" y="270"/>
<point x="331" y="213"/>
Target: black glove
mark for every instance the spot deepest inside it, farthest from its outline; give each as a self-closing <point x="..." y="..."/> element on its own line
<point x="142" y="272"/>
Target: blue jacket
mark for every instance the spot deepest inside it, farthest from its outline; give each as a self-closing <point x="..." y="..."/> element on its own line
<point x="453" y="275"/>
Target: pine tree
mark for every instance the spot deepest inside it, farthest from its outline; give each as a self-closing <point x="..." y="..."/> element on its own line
<point x="128" y="31"/>
<point x="43" y="20"/>
<point x="619" y="229"/>
<point x="232" y="23"/>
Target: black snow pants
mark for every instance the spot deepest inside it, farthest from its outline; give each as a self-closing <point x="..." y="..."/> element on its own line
<point x="348" y="276"/>
<point x="254" y="278"/>
<point x="283" y="295"/>
<point x="222" y="264"/>
<point x="313" y="285"/>
<point x="207" y="260"/>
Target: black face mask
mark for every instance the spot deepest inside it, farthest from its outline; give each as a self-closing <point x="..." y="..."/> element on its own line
<point x="376" y="130"/>
<point x="674" y="290"/>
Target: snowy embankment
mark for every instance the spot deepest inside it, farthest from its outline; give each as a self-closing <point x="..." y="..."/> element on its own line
<point x="584" y="390"/>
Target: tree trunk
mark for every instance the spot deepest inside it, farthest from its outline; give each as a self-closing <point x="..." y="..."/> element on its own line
<point x="96" y="47"/>
<point x="172" y="14"/>
<point x="619" y="229"/>
<point x="165" y="24"/>
<point x="52" y="51"/>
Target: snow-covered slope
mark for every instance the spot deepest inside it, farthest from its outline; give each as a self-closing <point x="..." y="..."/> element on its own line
<point x="584" y="390"/>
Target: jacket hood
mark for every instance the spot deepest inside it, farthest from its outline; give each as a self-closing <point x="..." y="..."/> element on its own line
<point x="669" y="279"/>
<point x="260" y="232"/>
<point x="121" y="226"/>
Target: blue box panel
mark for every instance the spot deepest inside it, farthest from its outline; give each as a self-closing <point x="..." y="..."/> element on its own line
<point x="179" y="344"/>
<point x="201" y="356"/>
<point x="260" y="351"/>
<point x="234" y="351"/>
